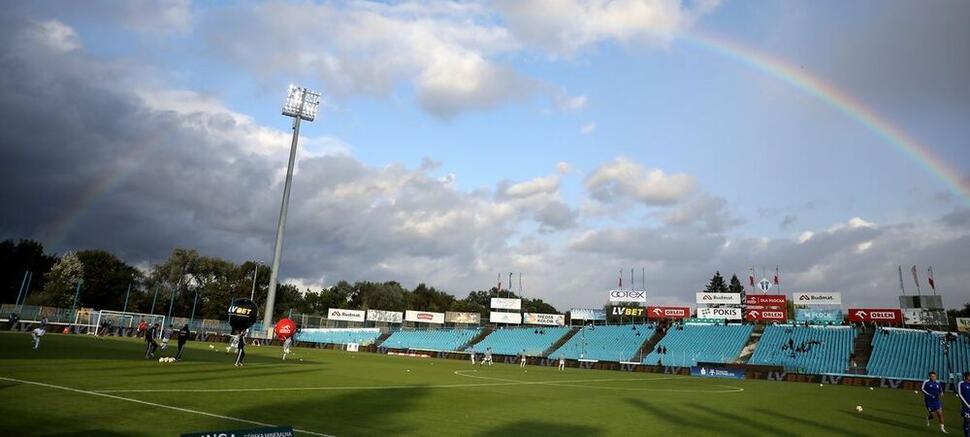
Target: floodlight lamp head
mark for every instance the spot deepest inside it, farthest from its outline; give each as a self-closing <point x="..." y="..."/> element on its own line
<point x="302" y="103"/>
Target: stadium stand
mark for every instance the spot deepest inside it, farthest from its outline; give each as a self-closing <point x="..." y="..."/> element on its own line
<point x="605" y="343"/>
<point x="691" y="343"/>
<point x="511" y="341"/>
<point x="815" y="349"/>
<point x="338" y="336"/>
<point x="911" y="354"/>
<point x="431" y="339"/>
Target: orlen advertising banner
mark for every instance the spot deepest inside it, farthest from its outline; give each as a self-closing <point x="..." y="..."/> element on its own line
<point x="765" y="300"/>
<point x="766" y="315"/>
<point x="628" y="311"/>
<point x="716" y="372"/>
<point x="719" y="298"/>
<point x="497" y="317"/>
<point x="424" y="317"/>
<point x="587" y="314"/>
<point x="506" y="304"/>
<point x="544" y="319"/>
<point x="879" y="315"/>
<point x="719" y="313"/>
<point x="385" y="316"/>
<point x="817" y="298"/>
<point x="468" y="318"/>
<point x="818" y="316"/>
<point x="628" y="296"/>
<point x="346" y="315"/>
<point x="668" y="312"/>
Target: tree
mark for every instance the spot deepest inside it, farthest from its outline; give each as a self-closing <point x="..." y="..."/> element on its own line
<point x="735" y="286"/>
<point x="716" y="285"/>
<point x="18" y="258"/>
<point x="62" y="281"/>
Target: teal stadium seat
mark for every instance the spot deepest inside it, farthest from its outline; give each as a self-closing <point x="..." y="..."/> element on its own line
<point x="341" y="336"/>
<point x="700" y="343"/>
<point x="828" y="348"/>
<point x="511" y="341"/>
<point x="912" y="354"/>
<point x="430" y="339"/>
<point x="605" y="343"/>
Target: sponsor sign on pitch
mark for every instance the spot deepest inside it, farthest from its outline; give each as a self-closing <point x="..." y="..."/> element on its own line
<point x="544" y="319"/>
<point x="628" y="296"/>
<point x="628" y="311"/>
<point x="385" y="316"/>
<point x="817" y="298"/>
<point x="883" y="315"/>
<point x="587" y="314"/>
<point x="468" y="318"/>
<point x="497" y="317"/>
<point x="346" y="315"/>
<point x="766" y="315"/>
<point x="765" y="300"/>
<point x="716" y="372"/>
<point x="719" y="298"/>
<point x="818" y="316"/>
<point x="719" y="313"/>
<point x="668" y="312"/>
<point x="506" y="304"/>
<point x="424" y="317"/>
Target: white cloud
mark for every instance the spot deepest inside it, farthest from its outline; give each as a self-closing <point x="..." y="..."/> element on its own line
<point x="587" y="128"/>
<point x="56" y="35"/>
<point x="625" y="179"/>
<point x="570" y="103"/>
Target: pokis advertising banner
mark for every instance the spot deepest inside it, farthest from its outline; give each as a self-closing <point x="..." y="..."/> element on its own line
<point x="346" y="315"/>
<point x="817" y="298"/>
<point x="668" y="312"/>
<point x="385" y="316"/>
<point x="424" y="317"/>
<point x="544" y="319"/>
<point x="716" y="372"/>
<point x="497" y="317"/>
<point x="466" y="318"/>
<point x="506" y="304"/>
<point x="818" y="316"/>
<point x="719" y="313"/>
<point x="765" y="300"/>
<point x="587" y="314"/>
<point x="628" y="296"/>
<point x="878" y="315"/>
<point x="719" y="298"/>
<point x="757" y="315"/>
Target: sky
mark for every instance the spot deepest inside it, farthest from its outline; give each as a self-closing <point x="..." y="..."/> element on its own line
<point x="563" y="139"/>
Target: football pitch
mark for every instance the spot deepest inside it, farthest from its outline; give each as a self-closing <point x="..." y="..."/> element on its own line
<point x="80" y="385"/>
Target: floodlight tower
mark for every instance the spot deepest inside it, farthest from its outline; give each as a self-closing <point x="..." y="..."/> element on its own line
<point x="301" y="104"/>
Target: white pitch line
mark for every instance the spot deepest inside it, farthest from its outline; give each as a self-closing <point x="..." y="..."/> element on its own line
<point x="183" y="410"/>
<point x="571" y="383"/>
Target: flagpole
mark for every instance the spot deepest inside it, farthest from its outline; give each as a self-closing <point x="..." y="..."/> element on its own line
<point x="902" y="287"/>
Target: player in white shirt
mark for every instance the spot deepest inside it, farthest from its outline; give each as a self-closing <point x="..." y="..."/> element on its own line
<point x="562" y="363"/>
<point x="488" y="357"/>
<point x="286" y="346"/>
<point x="233" y="343"/>
<point x="523" y="360"/>
<point x="166" y="335"/>
<point x="36" y="334"/>
<point x="472" y="354"/>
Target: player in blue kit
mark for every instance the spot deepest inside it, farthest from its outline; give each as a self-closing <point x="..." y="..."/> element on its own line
<point x="932" y="390"/>
<point x="963" y="391"/>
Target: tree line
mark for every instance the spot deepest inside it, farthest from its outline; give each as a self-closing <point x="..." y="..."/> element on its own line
<point x="188" y="279"/>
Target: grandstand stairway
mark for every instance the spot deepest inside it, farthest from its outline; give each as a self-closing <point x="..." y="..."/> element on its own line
<point x="481" y="336"/>
<point x="383" y="337"/>
<point x="648" y="346"/>
<point x="560" y="342"/>
<point x="751" y="345"/>
<point x="863" y="349"/>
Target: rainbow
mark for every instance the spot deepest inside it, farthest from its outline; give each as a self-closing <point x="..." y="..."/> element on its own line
<point x="839" y="100"/>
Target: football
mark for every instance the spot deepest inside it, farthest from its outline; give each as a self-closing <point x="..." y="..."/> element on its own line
<point x="858" y="408"/>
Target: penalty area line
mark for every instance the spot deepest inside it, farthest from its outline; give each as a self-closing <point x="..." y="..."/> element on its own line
<point x="152" y="404"/>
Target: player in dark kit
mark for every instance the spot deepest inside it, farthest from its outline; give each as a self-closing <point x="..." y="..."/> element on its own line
<point x="932" y="391"/>
<point x="963" y="391"/>
<point x="241" y="352"/>
<point x="183" y="336"/>
<point x="150" y="343"/>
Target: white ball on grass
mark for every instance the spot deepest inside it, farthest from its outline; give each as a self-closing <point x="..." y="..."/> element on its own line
<point x="858" y="408"/>
<point x="870" y="388"/>
<point x="211" y="347"/>
<point x="161" y="360"/>
<point x="820" y="385"/>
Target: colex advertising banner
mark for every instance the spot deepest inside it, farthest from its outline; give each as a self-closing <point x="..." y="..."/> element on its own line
<point x="668" y="312"/>
<point x="628" y="296"/>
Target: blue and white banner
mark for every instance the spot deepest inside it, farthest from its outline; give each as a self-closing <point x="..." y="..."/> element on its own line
<point x="818" y="316"/>
<point x="716" y="372"/>
<point x="587" y="314"/>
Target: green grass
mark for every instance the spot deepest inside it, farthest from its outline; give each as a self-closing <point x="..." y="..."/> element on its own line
<point x="348" y="394"/>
